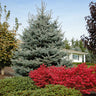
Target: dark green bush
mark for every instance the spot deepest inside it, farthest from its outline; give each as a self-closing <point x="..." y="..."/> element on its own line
<point x="87" y="63"/>
<point x="16" y="84"/>
<point x="76" y="63"/>
<point x="49" y="90"/>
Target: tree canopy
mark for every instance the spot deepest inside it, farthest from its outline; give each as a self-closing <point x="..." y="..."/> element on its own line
<point x="8" y="41"/>
<point x="90" y="41"/>
<point x="42" y="44"/>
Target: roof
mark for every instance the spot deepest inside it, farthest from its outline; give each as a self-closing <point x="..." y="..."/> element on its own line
<point x="73" y="51"/>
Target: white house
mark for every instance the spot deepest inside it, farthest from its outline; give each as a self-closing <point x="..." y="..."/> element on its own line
<point x="75" y="56"/>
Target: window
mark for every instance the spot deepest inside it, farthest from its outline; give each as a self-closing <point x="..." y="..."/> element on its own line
<point x="75" y="56"/>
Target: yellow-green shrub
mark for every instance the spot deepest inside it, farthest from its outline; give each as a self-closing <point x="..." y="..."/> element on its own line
<point x="49" y="90"/>
<point x="16" y="84"/>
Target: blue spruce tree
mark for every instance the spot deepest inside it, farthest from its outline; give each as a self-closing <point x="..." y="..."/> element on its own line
<point x="42" y="43"/>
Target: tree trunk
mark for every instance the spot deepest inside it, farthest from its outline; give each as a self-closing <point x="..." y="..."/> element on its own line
<point x="2" y="71"/>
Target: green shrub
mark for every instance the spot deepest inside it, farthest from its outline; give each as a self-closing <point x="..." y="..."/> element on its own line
<point x="76" y="63"/>
<point x="15" y="84"/>
<point x="87" y="63"/>
<point x="56" y="90"/>
<point x="22" y="93"/>
<point x="49" y="90"/>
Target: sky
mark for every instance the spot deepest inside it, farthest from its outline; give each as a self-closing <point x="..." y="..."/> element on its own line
<point x="70" y="14"/>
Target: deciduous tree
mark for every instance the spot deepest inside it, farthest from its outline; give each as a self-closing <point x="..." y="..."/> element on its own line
<point x="90" y="41"/>
<point x="8" y="41"/>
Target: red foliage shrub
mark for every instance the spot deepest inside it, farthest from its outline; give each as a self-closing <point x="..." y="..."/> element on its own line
<point x="80" y="77"/>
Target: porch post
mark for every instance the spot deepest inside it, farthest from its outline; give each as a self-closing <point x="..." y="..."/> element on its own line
<point x="84" y="58"/>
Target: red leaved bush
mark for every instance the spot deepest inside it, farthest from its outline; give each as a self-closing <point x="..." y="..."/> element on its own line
<point x="80" y="77"/>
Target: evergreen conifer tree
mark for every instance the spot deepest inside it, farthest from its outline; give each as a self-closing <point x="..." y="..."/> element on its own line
<point x="41" y="44"/>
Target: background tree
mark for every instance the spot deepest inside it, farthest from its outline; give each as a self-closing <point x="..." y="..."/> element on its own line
<point x="81" y="45"/>
<point x="72" y="42"/>
<point x="66" y="44"/>
<point x="77" y="45"/>
<point x="41" y="43"/>
<point x="8" y="42"/>
<point x="90" y="41"/>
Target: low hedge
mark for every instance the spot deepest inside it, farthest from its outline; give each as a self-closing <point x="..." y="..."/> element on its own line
<point x="15" y="84"/>
<point x="87" y="63"/>
<point x="76" y="63"/>
<point x="49" y="90"/>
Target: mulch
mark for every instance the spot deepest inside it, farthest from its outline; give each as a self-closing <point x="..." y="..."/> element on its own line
<point x="8" y="73"/>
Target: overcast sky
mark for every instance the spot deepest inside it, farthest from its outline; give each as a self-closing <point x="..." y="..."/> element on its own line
<point x="71" y="14"/>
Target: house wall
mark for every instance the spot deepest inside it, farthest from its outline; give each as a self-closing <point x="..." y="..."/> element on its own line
<point x="70" y="57"/>
<point x="75" y="60"/>
<point x="80" y="59"/>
